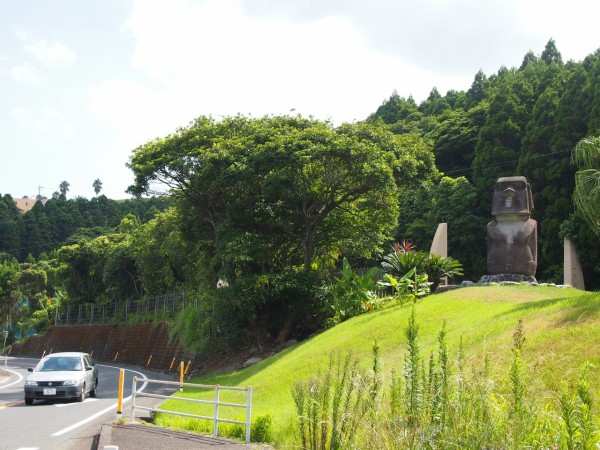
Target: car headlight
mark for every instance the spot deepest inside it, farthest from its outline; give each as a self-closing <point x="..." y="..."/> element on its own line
<point x="30" y="383"/>
<point x="72" y="383"/>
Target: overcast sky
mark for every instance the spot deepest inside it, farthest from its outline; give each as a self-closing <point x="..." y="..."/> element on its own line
<point x="84" y="82"/>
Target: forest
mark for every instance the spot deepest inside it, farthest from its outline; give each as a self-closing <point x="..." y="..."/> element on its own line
<point x="262" y="216"/>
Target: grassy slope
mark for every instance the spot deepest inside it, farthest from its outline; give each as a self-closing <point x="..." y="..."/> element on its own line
<point x="562" y="330"/>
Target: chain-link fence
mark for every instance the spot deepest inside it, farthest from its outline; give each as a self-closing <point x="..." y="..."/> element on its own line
<point x="148" y="309"/>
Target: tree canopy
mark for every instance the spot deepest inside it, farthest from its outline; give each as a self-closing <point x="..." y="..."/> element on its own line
<point x="284" y="190"/>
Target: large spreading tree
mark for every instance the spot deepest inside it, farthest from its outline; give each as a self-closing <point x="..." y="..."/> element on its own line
<point x="272" y="203"/>
<point x="283" y="190"/>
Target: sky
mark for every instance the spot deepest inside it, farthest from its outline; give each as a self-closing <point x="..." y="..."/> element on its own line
<point x="85" y="82"/>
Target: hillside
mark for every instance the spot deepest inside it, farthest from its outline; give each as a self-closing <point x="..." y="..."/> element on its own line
<point x="562" y="331"/>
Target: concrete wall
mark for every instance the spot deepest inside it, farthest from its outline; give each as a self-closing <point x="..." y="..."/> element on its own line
<point x="133" y="343"/>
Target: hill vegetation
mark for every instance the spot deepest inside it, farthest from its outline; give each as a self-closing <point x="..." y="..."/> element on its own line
<point x="557" y="332"/>
<point x="262" y="212"/>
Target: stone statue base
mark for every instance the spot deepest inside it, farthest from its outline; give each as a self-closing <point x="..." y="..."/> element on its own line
<point x="500" y="277"/>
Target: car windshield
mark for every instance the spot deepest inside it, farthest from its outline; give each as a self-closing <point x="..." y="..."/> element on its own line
<point x="61" y="364"/>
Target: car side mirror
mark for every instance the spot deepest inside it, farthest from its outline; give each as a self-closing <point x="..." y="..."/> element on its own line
<point x="89" y="368"/>
<point x="30" y="369"/>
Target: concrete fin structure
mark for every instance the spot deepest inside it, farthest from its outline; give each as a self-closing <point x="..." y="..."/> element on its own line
<point x="573" y="275"/>
<point x="439" y="246"/>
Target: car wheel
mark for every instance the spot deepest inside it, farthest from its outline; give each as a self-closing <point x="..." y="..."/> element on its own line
<point x="29" y="401"/>
<point x="82" y="396"/>
<point x="93" y="391"/>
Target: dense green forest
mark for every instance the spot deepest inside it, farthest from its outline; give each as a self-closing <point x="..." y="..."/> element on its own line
<point x="262" y="212"/>
<point x="55" y="222"/>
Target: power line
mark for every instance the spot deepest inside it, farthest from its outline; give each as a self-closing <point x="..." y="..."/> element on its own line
<point x="505" y="163"/>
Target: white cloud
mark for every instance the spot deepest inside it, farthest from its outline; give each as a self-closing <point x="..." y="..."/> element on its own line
<point x="24" y="73"/>
<point x="51" y="54"/>
<point x="52" y="120"/>
<point x="19" y="115"/>
<point x="453" y="36"/>
<point x="209" y="58"/>
<point x="129" y="107"/>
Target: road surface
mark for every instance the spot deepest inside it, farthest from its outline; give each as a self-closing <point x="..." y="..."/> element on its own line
<point x="47" y="425"/>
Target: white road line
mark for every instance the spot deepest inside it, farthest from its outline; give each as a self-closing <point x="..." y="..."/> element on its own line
<point x="87" y="400"/>
<point x="104" y="411"/>
<point x="19" y="378"/>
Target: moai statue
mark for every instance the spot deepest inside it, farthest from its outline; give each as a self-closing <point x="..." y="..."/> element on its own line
<point x="512" y="236"/>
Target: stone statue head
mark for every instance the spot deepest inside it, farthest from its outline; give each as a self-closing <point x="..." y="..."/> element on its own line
<point x="512" y="196"/>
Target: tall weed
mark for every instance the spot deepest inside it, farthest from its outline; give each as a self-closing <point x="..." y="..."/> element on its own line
<point x="435" y="406"/>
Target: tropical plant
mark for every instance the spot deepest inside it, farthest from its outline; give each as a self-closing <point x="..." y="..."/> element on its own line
<point x="97" y="185"/>
<point x="410" y="287"/>
<point x="587" y="181"/>
<point x="398" y="263"/>
<point x="64" y="188"/>
<point x="354" y="293"/>
<point x="438" y="267"/>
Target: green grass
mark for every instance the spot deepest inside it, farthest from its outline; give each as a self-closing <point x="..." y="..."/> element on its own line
<point x="562" y="331"/>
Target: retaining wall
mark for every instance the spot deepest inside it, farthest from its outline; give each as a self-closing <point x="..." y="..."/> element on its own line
<point x="145" y="344"/>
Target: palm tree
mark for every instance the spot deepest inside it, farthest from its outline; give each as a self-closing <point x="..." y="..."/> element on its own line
<point x="64" y="188"/>
<point x="587" y="181"/>
<point x="97" y="186"/>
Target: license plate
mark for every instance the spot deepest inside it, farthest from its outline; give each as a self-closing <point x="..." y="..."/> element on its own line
<point x="49" y="391"/>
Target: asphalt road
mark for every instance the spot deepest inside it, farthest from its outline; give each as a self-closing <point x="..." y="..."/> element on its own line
<point x="64" y="425"/>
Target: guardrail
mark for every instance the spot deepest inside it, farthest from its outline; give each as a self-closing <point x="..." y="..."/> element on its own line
<point x="216" y="402"/>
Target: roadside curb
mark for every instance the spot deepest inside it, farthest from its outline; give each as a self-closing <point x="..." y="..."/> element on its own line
<point x="135" y="436"/>
<point x="105" y="436"/>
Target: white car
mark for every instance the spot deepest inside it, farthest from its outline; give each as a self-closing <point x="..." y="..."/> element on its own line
<point x="62" y="376"/>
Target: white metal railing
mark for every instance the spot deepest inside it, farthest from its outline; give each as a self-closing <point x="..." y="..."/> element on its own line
<point x="216" y="402"/>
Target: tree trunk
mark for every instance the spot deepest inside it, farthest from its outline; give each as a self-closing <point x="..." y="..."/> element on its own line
<point x="284" y="333"/>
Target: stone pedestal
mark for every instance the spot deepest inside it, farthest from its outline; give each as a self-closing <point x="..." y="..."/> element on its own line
<point x="510" y="277"/>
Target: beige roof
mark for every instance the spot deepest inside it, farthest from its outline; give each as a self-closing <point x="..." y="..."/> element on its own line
<point x="25" y="204"/>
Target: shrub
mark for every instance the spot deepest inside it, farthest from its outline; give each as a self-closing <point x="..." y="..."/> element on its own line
<point x="262" y="428"/>
<point x="399" y="262"/>
<point x="410" y="287"/>
<point x="353" y="293"/>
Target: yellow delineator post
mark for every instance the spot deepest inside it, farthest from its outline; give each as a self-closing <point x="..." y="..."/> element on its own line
<point x="181" y="377"/>
<point x="120" y="396"/>
<point x="149" y="359"/>
<point x="172" y="363"/>
<point x="187" y="368"/>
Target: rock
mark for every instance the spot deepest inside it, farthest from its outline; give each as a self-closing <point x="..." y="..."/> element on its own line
<point x="504" y="277"/>
<point x="448" y="287"/>
<point x="251" y="362"/>
<point x="289" y="343"/>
